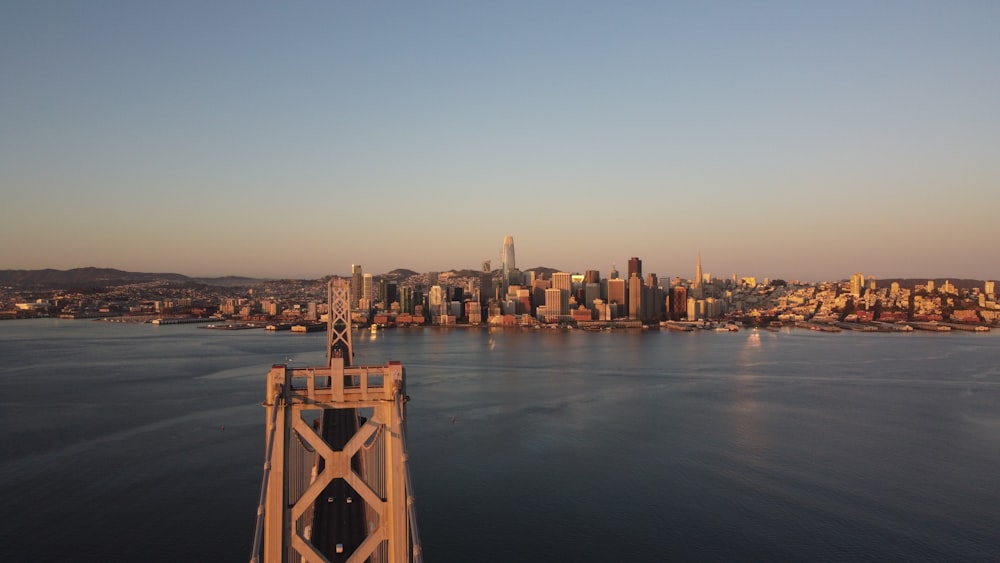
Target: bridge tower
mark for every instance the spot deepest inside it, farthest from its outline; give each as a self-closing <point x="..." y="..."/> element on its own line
<point x="336" y="485"/>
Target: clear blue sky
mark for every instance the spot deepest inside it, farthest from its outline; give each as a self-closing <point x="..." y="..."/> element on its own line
<point x="800" y="140"/>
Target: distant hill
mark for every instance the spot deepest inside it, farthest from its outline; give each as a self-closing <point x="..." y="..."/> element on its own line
<point x="79" y="277"/>
<point x="228" y="281"/>
<point x="910" y="283"/>
<point x="400" y="273"/>
<point x="467" y="273"/>
<point x="543" y="271"/>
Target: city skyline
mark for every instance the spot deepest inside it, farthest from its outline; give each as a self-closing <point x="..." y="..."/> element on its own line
<point x="776" y="139"/>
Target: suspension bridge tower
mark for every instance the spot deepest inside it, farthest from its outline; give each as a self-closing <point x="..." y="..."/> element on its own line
<point x="336" y="485"/>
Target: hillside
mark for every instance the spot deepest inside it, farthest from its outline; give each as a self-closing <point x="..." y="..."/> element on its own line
<point x="80" y="277"/>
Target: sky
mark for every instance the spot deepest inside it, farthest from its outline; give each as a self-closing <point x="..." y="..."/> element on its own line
<point x="794" y="140"/>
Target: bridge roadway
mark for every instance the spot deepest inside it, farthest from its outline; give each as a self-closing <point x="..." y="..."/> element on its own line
<point x="341" y="521"/>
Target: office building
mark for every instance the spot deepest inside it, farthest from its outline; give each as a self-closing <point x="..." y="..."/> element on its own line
<point x="635" y="297"/>
<point x="508" y="266"/>
<point x="634" y="267"/>
<point x="357" y="285"/>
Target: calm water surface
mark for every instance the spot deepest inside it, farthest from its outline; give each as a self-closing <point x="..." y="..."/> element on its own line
<point x="137" y="442"/>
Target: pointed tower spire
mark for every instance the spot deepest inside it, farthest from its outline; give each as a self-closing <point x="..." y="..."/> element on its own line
<point x="697" y="273"/>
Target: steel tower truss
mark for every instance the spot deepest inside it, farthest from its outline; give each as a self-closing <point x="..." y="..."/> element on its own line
<point x="300" y="463"/>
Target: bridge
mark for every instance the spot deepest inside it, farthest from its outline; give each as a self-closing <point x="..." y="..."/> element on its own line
<point x="335" y="484"/>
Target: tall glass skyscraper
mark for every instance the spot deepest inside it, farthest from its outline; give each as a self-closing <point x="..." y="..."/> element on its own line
<point x="357" y="285"/>
<point x="507" y="266"/>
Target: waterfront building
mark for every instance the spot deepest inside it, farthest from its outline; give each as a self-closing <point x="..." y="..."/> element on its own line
<point x="474" y="312"/>
<point x="554" y="302"/>
<point x="696" y="309"/>
<point x="678" y="302"/>
<point x="652" y="304"/>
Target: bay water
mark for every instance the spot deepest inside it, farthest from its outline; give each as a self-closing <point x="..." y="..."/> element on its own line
<point x="135" y="442"/>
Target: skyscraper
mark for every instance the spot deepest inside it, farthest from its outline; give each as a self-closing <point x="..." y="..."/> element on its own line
<point x="507" y="265"/>
<point x="635" y="296"/>
<point x="562" y="280"/>
<point x="356" y="284"/>
<point x="857" y="284"/>
<point x="368" y="290"/>
<point x="616" y="291"/>
<point x="486" y="283"/>
<point x="634" y="267"/>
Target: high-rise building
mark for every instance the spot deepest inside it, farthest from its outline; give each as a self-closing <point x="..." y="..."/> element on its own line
<point x="635" y="297"/>
<point x="538" y="294"/>
<point x="616" y="291"/>
<point x="406" y="300"/>
<point x="554" y="298"/>
<point x="678" y="302"/>
<point x="368" y="289"/>
<point x="562" y="280"/>
<point x="387" y="292"/>
<point x="591" y="292"/>
<point x="592" y="276"/>
<point x="653" y="304"/>
<point x="486" y="291"/>
<point x="634" y="267"/>
<point x="436" y="302"/>
<point x="507" y="265"/>
<point x="697" y="289"/>
<point x="357" y="285"/>
<point x="988" y="287"/>
<point x="857" y="284"/>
